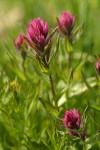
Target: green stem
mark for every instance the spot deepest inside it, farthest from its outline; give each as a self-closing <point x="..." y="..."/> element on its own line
<point x="84" y="146"/>
<point x="53" y="91"/>
<point x="69" y="60"/>
<point x="23" y="65"/>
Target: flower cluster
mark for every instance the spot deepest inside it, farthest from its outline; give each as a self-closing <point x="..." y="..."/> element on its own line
<point x="72" y="121"/>
<point x="37" y="35"/>
<point x="40" y="41"/>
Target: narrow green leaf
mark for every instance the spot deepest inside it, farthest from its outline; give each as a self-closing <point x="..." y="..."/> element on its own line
<point x="53" y="54"/>
<point x="90" y="142"/>
<point x="68" y="45"/>
<point x="41" y="71"/>
<point x="40" y="146"/>
<point x="95" y="107"/>
<point x="77" y="33"/>
<point x="49" y="108"/>
<point x="34" y="100"/>
<point x="86" y="83"/>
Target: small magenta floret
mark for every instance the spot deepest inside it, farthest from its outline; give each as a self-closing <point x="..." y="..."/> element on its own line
<point x="19" y="42"/>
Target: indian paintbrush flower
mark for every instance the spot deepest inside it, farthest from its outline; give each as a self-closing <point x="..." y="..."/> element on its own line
<point x="66" y="23"/>
<point x="98" y="65"/>
<point x="37" y="33"/>
<point x="72" y="119"/>
<point x="37" y="38"/>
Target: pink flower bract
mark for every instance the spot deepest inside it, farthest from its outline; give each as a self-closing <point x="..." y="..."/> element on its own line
<point x="66" y="22"/>
<point x="72" y="119"/>
<point x="37" y="32"/>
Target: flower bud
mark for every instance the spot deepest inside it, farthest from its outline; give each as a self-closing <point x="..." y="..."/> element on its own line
<point x="19" y="42"/>
<point x="73" y="133"/>
<point x="37" y="33"/>
<point x="21" y="45"/>
<point x="98" y="65"/>
<point x="72" y="119"/>
<point x="66" y="23"/>
<point x="83" y="135"/>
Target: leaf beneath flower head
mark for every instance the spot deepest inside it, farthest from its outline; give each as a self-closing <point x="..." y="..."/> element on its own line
<point x="68" y="45"/>
<point x="33" y="45"/>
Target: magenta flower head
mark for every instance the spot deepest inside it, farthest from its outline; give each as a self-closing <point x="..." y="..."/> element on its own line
<point x="37" y="33"/>
<point x="19" y="42"/>
<point x="98" y="65"/>
<point x="66" y="23"/>
<point x="72" y="119"/>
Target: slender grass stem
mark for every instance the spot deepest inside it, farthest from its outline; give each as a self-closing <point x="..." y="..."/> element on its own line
<point x="53" y="91"/>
